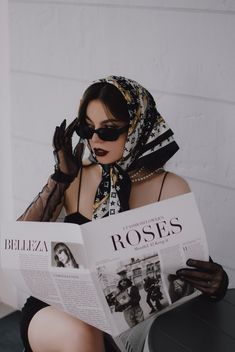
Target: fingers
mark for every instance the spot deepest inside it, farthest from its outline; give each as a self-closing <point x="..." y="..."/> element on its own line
<point x="193" y="274"/>
<point x="62" y="135"/>
<point x="209" y="286"/>
<point x="78" y="151"/>
<point x="200" y="281"/>
<point x="70" y="129"/>
<point x="209" y="291"/>
<point x="58" y="138"/>
<point x="56" y="142"/>
<point x="197" y="279"/>
<point x="206" y="276"/>
<point x="204" y="265"/>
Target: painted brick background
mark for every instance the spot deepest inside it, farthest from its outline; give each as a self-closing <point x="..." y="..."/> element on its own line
<point x="183" y="51"/>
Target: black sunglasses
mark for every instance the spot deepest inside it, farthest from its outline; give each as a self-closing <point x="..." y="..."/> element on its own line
<point x="106" y="134"/>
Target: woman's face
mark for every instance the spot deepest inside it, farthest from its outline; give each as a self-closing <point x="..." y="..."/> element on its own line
<point x="106" y="152"/>
<point x="178" y="285"/>
<point x="62" y="256"/>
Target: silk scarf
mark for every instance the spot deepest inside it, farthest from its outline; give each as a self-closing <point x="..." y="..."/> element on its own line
<point x="149" y="139"/>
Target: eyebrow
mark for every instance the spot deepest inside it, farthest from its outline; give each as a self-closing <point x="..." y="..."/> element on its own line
<point x="105" y="121"/>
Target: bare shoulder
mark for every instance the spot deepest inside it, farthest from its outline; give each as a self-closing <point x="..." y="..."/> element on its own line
<point x="89" y="167"/>
<point x="174" y="185"/>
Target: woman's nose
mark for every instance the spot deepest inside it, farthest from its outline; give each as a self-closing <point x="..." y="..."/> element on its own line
<point x="95" y="138"/>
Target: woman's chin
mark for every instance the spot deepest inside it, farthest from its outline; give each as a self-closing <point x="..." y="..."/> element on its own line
<point x="105" y="160"/>
<point x="108" y="159"/>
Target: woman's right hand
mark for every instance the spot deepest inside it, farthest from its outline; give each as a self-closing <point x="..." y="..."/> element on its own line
<point x="68" y="160"/>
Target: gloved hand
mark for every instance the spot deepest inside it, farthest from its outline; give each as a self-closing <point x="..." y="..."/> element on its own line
<point x="68" y="161"/>
<point x="208" y="277"/>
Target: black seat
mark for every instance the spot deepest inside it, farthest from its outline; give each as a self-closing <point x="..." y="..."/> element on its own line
<point x="196" y="326"/>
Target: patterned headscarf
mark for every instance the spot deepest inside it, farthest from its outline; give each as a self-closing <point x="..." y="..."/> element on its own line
<point x="149" y="139"/>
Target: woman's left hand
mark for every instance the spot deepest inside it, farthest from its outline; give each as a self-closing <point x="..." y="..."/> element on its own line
<point x="208" y="277"/>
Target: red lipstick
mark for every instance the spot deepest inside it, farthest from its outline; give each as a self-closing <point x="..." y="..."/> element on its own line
<point x="100" y="152"/>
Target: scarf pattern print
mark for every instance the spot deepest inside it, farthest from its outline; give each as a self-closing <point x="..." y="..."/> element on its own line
<point x="149" y="138"/>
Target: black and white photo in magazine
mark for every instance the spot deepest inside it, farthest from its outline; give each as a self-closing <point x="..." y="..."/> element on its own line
<point x="132" y="288"/>
<point x="65" y="255"/>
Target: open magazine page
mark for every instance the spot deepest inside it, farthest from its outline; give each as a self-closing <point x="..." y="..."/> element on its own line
<point x="9" y="293"/>
<point x="48" y="261"/>
<point x="134" y="257"/>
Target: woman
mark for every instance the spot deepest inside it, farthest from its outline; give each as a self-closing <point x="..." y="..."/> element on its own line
<point x="129" y="144"/>
<point x="128" y="300"/>
<point x="63" y="256"/>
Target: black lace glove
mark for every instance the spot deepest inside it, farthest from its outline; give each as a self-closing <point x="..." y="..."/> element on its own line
<point x="208" y="277"/>
<point x="49" y="202"/>
<point x="68" y="161"/>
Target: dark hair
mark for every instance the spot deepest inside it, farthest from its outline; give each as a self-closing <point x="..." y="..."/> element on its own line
<point x="110" y="96"/>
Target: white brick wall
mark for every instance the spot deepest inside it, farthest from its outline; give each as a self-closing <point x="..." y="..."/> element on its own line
<point x="5" y="125"/>
<point x="6" y="195"/>
<point x="182" y="51"/>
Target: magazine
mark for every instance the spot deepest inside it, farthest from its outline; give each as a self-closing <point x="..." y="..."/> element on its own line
<point x="111" y="273"/>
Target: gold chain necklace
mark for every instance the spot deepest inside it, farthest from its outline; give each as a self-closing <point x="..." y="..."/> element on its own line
<point x="135" y="179"/>
<point x="137" y="172"/>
